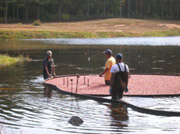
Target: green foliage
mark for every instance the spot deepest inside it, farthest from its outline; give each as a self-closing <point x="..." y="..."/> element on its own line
<point x="156" y="16"/>
<point x="1" y="19"/>
<point x="13" y="34"/>
<point x="65" y="16"/>
<point x="19" y="24"/>
<point x="49" y="10"/>
<point x="36" y="23"/>
<point x="6" y="60"/>
<point x="172" y="32"/>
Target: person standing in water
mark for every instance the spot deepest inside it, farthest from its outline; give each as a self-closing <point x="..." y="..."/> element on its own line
<point x="109" y="63"/>
<point x="48" y="66"/>
<point x="119" y="78"/>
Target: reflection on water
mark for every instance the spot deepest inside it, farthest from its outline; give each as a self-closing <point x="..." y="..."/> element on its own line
<point x="26" y="107"/>
<point x="47" y="92"/>
<point x="119" y="113"/>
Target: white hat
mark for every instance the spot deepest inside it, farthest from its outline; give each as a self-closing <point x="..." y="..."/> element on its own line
<point x="49" y="53"/>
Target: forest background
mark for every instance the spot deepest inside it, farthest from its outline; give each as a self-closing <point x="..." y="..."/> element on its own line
<point x="77" y="10"/>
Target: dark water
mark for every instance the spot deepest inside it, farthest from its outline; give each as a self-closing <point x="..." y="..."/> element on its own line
<point x="24" y="108"/>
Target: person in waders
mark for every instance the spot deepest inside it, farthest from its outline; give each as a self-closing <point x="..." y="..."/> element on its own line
<point x="109" y="63"/>
<point x="119" y="78"/>
<point x="48" y="66"/>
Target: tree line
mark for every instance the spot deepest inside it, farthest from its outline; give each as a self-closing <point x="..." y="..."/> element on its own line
<point x="75" y="10"/>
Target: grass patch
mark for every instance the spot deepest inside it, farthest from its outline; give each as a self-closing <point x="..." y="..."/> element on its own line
<point x="6" y="60"/>
<point x="10" y="34"/>
<point x="172" y="32"/>
<point x="13" y="34"/>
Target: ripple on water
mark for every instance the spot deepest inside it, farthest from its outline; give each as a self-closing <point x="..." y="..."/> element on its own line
<point x="27" y="110"/>
<point x="52" y="114"/>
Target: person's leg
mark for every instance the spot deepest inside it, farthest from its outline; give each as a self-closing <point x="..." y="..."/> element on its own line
<point x="107" y="82"/>
<point x="114" y="95"/>
<point x="121" y="94"/>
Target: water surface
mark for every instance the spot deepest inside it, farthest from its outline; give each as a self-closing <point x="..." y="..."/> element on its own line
<point x="25" y="108"/>
<point x="152" y="41"/>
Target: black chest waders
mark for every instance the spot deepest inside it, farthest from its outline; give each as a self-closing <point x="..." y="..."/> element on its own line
<point x="120" y="83"/>
<point x="49" y="64"/>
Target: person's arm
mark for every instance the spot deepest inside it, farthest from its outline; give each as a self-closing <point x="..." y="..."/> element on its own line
<point x="106" y="70"/>
<point x="112" y="80"/>
<point x="53" y="70"/>
<point x="53" y="67"/>
<point x="46" y="68"/>
<point x="107" y="67"/>
<point x="128" y="75"/>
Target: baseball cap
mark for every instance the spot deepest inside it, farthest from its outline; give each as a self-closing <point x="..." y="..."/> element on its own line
<point x="108" y="51"/>
<point x="119" y="56"/>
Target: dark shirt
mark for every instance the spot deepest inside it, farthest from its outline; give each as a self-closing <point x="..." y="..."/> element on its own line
<point x="49" y="64"/>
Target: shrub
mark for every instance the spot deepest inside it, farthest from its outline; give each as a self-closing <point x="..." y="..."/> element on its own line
<point x="156" y="16"/>
<point x="6" y="60"/>
<point x="37" y="23"/>
<point x="65" y="16"/>
<point x="19" y="24"/>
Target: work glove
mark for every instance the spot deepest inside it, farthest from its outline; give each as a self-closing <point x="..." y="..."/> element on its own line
<point x="110" y="91"/>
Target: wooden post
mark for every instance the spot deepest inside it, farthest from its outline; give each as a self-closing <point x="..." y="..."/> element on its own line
<point x="84" y="80"/>
<point x="67" y="82"/>
<point x="63" y="81"/>
<point x="71" y="84"/>
<point x="88" y="82"/>
<point x="77" y="82"/>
